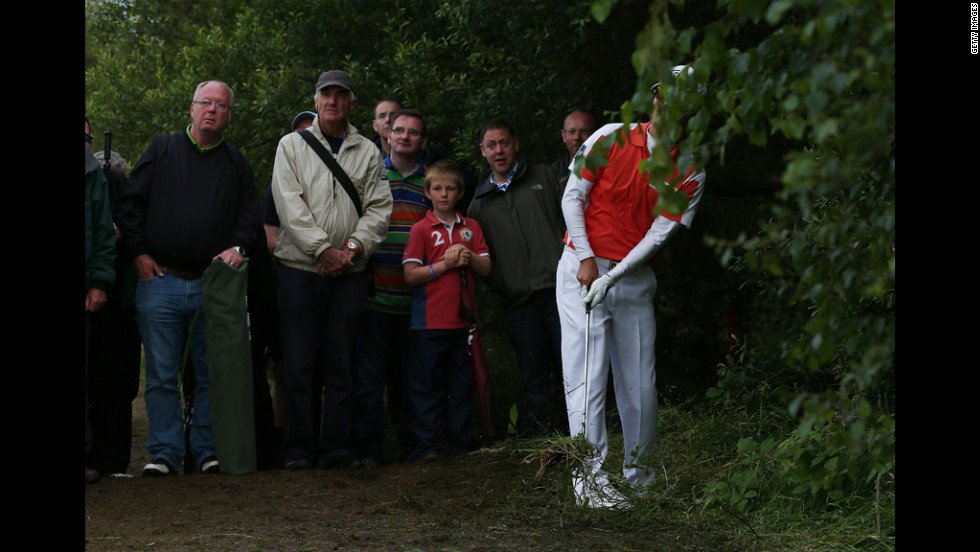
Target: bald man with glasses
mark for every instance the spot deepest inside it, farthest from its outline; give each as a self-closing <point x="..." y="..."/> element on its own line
<point x="575" y="130"/>
<point x="190" y="200"/>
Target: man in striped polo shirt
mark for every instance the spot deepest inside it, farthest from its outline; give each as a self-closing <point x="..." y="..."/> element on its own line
<point x="383" y="339"/>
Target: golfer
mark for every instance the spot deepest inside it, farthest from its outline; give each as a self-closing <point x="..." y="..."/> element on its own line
<point x="605" y="290"/>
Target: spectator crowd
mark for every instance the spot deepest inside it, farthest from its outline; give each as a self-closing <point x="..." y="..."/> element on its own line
<point x="288" y="331"/>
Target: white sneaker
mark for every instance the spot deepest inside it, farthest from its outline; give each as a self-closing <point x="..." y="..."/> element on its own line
<point x="210" y="465"/>
<point x="159" y="467"/>
<point x="600" y="494"/>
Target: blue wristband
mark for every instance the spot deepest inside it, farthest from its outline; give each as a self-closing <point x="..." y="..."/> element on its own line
<point x="433" y="273"/>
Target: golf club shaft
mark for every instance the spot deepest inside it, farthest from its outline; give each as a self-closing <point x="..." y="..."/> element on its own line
<point x="588" y="326"/>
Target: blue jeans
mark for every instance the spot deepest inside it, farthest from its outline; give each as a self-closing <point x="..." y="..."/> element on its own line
<point x="535" y="333"/>
<point x="166" y="309"/>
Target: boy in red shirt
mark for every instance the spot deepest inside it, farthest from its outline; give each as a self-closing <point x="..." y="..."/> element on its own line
<point x="440" y="249"/>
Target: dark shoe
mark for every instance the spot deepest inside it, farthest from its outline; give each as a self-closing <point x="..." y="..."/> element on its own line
<point x="298" y="464"/>
<point x="158" y="468"/>
<point x="210" y="465"/>
<point x="91" y="476"/>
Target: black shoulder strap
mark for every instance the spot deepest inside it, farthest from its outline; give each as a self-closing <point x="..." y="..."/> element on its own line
<point x="238" y="160"/>
<point x="160" y="143"/>
<point x="334" y="167"/>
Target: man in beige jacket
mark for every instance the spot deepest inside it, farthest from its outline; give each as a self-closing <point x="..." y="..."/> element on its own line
<point x="324" y="247"/>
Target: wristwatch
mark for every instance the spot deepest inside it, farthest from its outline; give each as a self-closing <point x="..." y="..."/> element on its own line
<point x="239" y="249"/>
<point x="352" y="245"/>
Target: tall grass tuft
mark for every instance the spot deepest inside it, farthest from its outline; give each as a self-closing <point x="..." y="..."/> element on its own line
<point x="732" y="468"/>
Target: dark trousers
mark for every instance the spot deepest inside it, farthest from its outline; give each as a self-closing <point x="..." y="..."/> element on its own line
<point x="88" y="428"/>
<point x="318" y="320"/>
<point x="263" y="313"/>
<point x="114" y="354"/>
<point x="382" y="351"/>
<point x="535" y="333"/>
<point x="441" y="390"/>
<point x="267" y="439"/>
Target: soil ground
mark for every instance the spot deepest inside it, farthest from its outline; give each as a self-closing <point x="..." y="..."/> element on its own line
<point x="491" y="500"/>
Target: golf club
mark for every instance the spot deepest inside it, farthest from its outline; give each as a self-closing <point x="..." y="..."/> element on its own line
<point x="588" y="326"/>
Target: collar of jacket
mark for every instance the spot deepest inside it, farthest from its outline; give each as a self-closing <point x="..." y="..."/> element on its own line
<point x="91" y="163"/>
<point x="485" y="187"/>
<point x="350" y="132"/>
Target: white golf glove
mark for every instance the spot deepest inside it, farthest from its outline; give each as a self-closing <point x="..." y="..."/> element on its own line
<point x="594" y="294"/>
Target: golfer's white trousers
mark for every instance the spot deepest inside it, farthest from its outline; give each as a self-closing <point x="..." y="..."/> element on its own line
<point x="621" y="334"/>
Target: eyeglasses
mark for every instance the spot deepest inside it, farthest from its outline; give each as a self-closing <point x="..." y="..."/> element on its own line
<point x="206" y="104"/>
<point x="88" y="139"/>
<point x="383" y="116"/>
<point x="410" y="131"/>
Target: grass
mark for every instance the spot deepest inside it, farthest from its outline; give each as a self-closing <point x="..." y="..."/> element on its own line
<point x="698" y="449"/>
<point x="721" y="471"/>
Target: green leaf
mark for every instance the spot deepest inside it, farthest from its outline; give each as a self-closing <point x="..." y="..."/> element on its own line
<point x="601" y="9"/>
<point x="746" y="445"/>
<point x="826" y="129"/>
<point x="776" y="10"/>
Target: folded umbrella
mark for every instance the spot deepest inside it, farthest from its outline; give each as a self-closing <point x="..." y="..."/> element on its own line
<point x="479" y="368"/>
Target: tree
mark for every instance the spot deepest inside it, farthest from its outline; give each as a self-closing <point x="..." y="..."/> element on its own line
<point x="150" y="55"/>
<point x="818" y="76"/>
<point x="460" y="63"/>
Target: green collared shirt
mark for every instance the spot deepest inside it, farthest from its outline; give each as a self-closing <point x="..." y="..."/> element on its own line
<point x="199" y="148"/>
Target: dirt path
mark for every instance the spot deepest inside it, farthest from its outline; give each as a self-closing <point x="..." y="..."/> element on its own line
<point x="491" y="500"/>
<point x="487" y="501"/>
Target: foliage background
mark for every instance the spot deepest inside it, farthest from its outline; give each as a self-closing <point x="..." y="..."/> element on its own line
<point x="460" y="63"/>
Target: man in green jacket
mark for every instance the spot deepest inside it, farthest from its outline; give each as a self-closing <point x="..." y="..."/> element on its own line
<point x="100" y="257"/>
<point x="518" y="206"/>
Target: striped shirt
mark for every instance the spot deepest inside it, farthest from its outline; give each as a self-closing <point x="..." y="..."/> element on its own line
<point x="392" y="294"/>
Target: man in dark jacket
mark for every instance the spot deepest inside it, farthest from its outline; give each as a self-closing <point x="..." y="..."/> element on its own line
<point x="115" y="352"/>
<point x="191" y="199"/>
<point x="100" y="256"/>
<point x="518" y="207"/>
